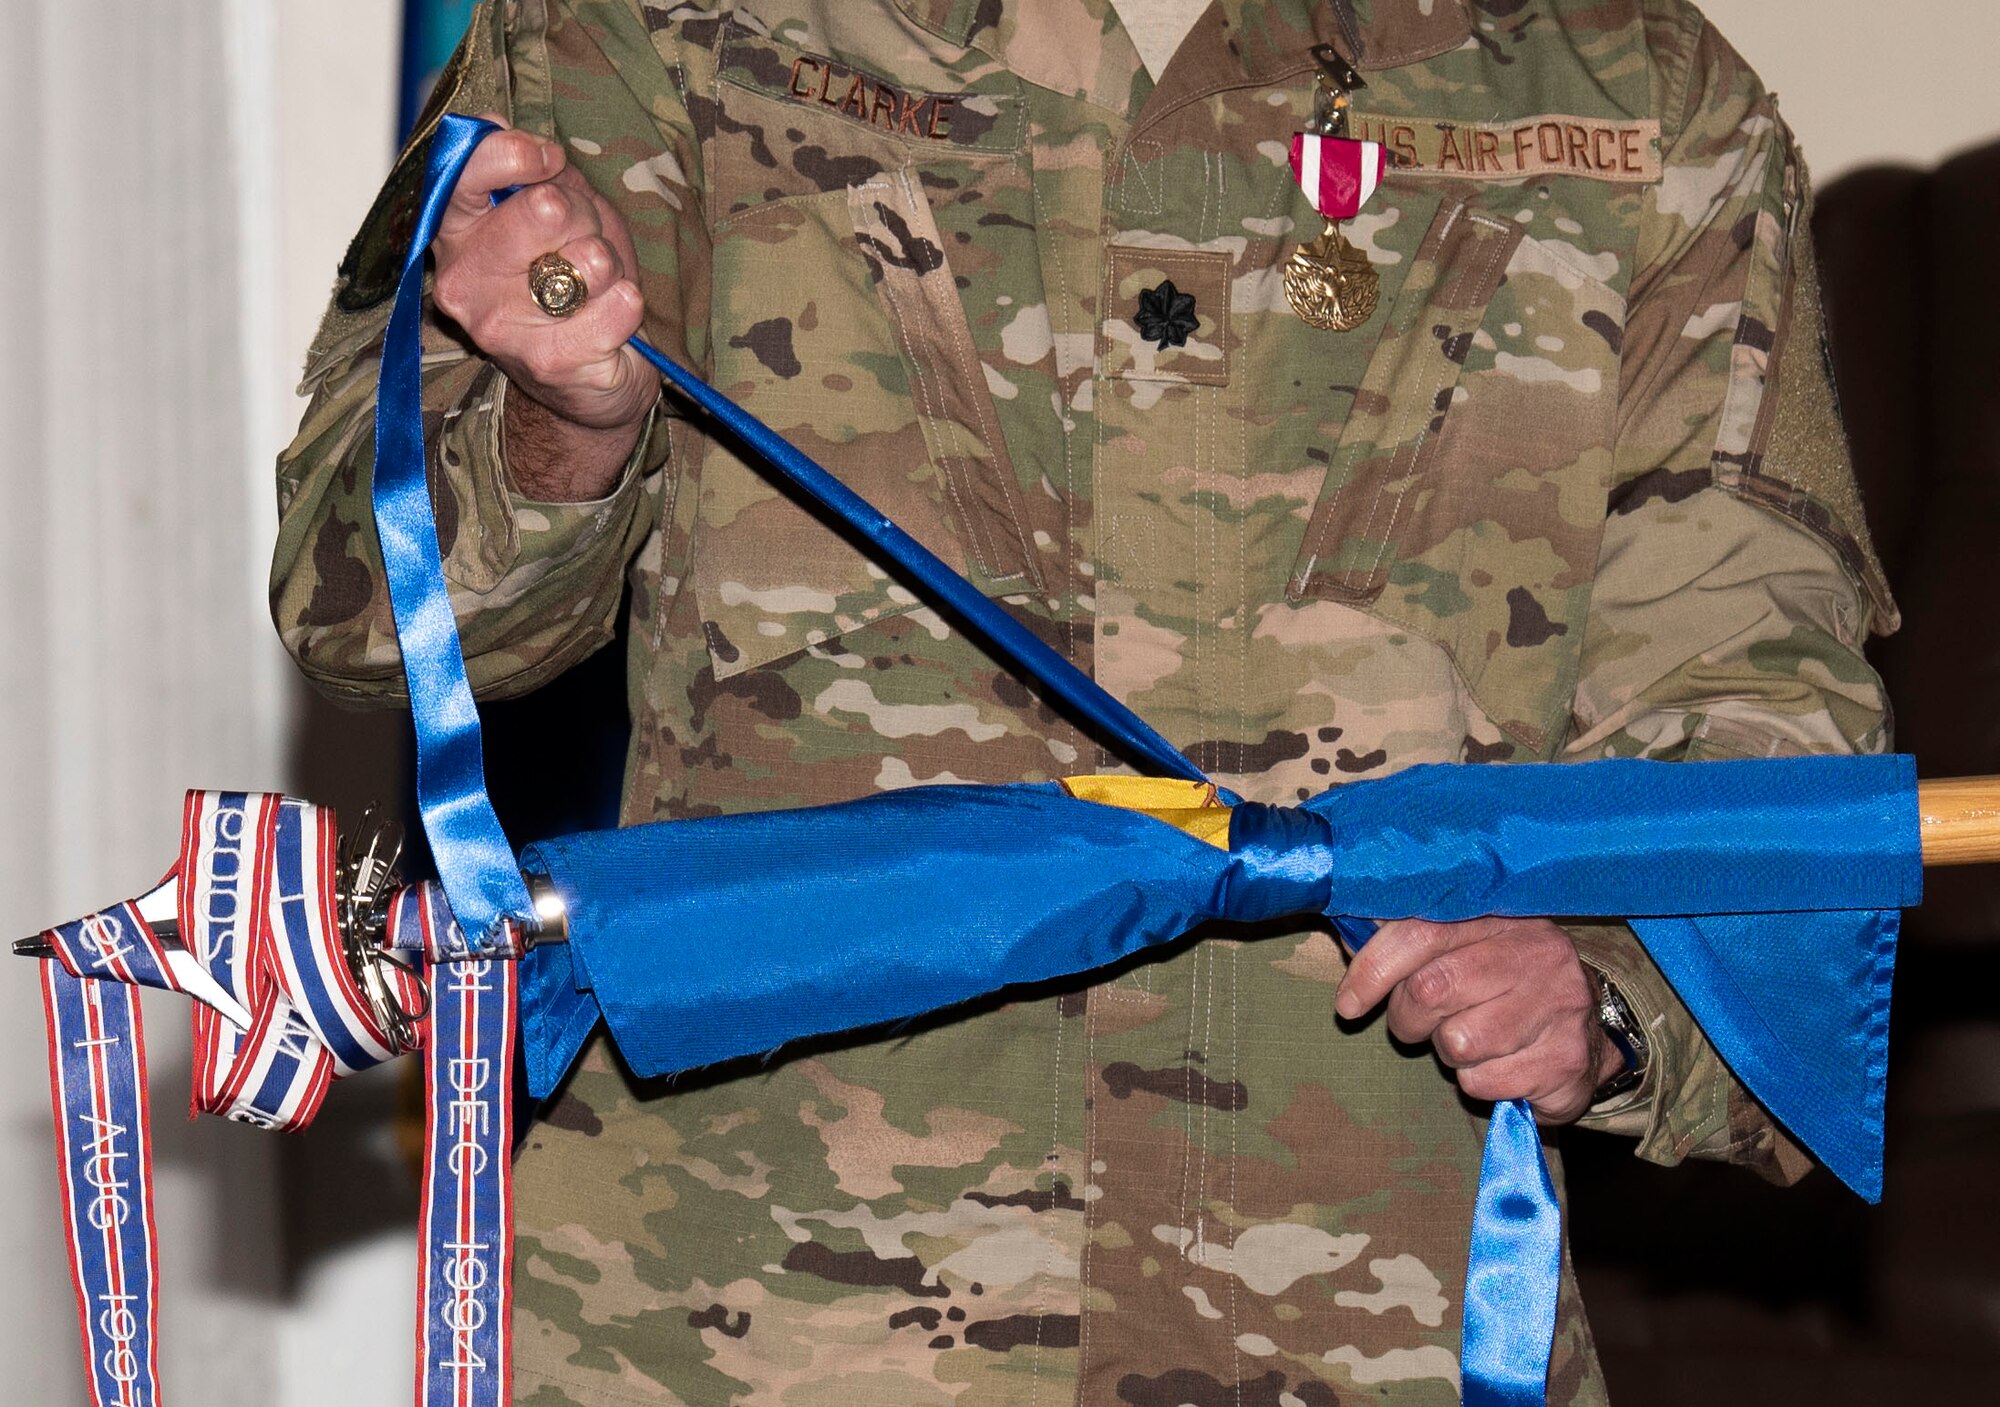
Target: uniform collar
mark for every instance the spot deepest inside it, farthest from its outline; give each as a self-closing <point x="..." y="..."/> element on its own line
<point x="1078" y="46"/>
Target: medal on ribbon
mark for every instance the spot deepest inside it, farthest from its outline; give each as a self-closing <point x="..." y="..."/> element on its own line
<point x="1330" y="283"/>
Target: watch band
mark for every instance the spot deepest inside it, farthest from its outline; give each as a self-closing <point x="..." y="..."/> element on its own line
<point x="1615" y="1016"/>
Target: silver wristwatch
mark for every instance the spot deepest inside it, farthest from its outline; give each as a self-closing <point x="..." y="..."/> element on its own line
<point x="1616" y="1017"/>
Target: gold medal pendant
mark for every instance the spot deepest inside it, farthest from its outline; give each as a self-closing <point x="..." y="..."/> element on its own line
<point x="1330" y="284"/>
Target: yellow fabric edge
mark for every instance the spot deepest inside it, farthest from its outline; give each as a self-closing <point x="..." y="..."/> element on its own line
<point x="1192" y="807"/>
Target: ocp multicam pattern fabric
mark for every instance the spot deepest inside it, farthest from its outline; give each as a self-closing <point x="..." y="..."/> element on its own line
<point x="1525" y="512"/>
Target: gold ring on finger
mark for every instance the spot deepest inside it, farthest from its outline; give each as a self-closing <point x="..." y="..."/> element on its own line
<point x="557" y="284"/>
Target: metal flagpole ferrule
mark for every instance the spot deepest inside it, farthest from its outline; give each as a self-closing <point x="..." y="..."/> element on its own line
<point x="551" y="911"/>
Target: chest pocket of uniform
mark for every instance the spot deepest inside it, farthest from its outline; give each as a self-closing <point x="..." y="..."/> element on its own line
<point x="1465" y="501"/>
<point x="837" y="319"/>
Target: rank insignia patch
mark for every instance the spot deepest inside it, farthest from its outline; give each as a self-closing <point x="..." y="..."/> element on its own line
<point x="1166" y="315"/>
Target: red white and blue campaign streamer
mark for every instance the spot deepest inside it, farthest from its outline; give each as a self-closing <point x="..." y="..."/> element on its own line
<point x="274" y="1073"/>
<point x="466" y="1265"/>
<point x="104" y="1145"/>
<point x="97" y="1076"/>
<point x="1338" y="174"/>
<point x="225" y="883"/>
<point x="117" y="945"/>
<point x="314" y="972"/>
<point x="257" y="882"/>
<point x="277" y="1018"/>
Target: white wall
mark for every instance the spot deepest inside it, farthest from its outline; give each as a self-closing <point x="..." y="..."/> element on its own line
<point x="336" y="66"/>
<point x="183" y="178"/>
<point x="1863" y="81"/>
<point x="135" y="656"/>
<point x="344" y="1338"/>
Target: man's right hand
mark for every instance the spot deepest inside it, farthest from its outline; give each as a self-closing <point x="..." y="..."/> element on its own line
<point x="586" y="393"/>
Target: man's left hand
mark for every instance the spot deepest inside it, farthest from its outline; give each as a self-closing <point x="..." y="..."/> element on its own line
<point x="1504" y="1001"/>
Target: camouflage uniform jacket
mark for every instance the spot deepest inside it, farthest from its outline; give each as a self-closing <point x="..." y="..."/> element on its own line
<point x="1576" y="489"/>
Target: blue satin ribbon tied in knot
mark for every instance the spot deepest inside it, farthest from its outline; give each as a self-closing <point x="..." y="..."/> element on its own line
<point x="1281" y="863"/>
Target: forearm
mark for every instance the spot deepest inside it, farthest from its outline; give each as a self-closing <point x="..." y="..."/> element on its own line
<point x="1687" y="1105"/>
<point x="537" y="519"/>
<point x="535" y="583"/>
<point x="555" y="460"/>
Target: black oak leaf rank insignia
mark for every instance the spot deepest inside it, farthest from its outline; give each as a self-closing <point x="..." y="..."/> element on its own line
<point x="1166" y="315"/>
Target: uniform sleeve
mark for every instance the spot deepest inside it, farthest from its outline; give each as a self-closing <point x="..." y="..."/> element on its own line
<point x="1736" y="585"/>
<point x="536" y="586"/>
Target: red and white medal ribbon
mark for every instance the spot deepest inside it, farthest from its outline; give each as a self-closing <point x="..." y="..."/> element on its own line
<point x="1338" y="174"/>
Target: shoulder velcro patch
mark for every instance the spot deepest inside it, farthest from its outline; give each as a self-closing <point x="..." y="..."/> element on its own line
<point x="1800" y="464"/>
<point x="470" y="82"/>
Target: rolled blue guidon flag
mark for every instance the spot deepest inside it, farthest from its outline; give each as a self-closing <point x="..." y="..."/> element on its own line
<point x="698" y="941"/>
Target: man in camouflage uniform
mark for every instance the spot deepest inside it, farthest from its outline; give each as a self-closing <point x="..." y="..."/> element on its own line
<point x="1574" y="490"/>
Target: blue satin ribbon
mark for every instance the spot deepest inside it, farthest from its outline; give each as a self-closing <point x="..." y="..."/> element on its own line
<point x="1008" y="637"/>
<point x="1513" y="1259"/>
<point x="1513" y="1270"/>
<point x="474" y="861"/>
<point x="700" y="941"/>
